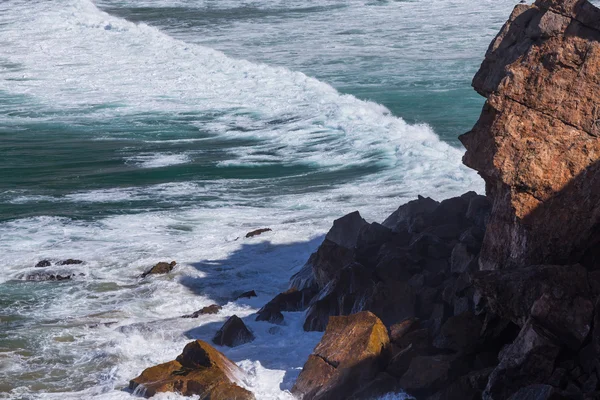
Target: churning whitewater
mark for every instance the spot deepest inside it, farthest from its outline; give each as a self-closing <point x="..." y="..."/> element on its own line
<point x="139" y="132"/>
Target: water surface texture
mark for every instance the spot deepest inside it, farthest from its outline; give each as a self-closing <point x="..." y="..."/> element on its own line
<point x="133" y="132"/>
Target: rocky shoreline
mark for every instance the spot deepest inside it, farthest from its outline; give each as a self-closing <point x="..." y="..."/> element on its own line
<point x="475" y="297"/>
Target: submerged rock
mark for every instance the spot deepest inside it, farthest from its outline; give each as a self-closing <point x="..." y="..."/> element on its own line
<point x="246" y="295"/>
<point x="160" y="268"/>
<point x="233" y="333"/>
<point x="199" y="370"/>
<point x="212" y="309"/>
<point x="43" y="264"/>
<point x="70" y="261"/>
<point x="257" y="232"/>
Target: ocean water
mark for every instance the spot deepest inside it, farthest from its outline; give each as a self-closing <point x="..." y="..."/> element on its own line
<point x="133" y="132"/>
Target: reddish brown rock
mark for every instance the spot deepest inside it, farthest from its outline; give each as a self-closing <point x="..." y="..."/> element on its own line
<point x="160" y="268"/>
<point x="198" y="370"/>
<point x="353" y="350"/>
<point x="536" y="143"/>
<point x="212" y="309"/>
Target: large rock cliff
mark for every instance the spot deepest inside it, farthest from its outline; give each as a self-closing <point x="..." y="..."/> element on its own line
<point x="537" y="143"/>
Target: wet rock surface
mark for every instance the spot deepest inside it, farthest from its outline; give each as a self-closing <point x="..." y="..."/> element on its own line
<point x="233" y="333"/>
<point x="160" y="268"/>
<point x="199" y="370"/>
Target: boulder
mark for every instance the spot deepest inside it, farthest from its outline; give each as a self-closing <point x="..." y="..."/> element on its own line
<point x="460" y="333"/>
<point x="528" y="360"/>
<point x="160" y="268"/>
<point x="427" y="374"/>
<point x="324" y="264"/>
<point x="43" y="264"/>
<point x="536" y="141"/>
<point x="413" y="216"/>
<point x="345" y="230"/>
<point x="48" y="276"/>
<point x="233" y="333"/>
<point x="257" y="232"/>
<point x="270" y="314"/>
<point x="212" y="309"/>
<point x="290" y="300"/>
<point x="511" y="293"/>
<point x="199" y="370"/>
<point x="352" y="352"/>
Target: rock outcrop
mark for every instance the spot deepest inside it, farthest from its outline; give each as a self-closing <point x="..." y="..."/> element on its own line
<point x="199" y="370"/>
<point x="537" y="143"/>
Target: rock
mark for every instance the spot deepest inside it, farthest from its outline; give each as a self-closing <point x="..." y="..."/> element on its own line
<point x="536" y="142"/>
<point x="380" y="386"/>
<point x="212" y="309"/>
<point x="48" y="276"/>
<point x="370" y="239"/>
<point x="479" y="211"/>
<point x="70" y="261"/>
<point x="569" y="319"/>
<point x="43" y="264"/>
<point x="270" y="314"/>
<point x="198" y="370"/>
<point x="452" y="211"/>
<point x="233" y="333"/>
<point x="461" y="259"/>
<point x="292" y="300"/>
<point x="413" y="216"/>
<point x="342" y="296"/>
<point x="353" y="350"/>
<point x="247" y="295"/>
<point x="427" y="374"/>
<point x="537" y="392"/>
<point x="160" y="268"/>
<point x="459" y="333"/>
<point x="397" y="331"/>
<point x="528" y="360"/>
<point x="326" y="262"/>
<point x="257" y="232"/>
<point x="345" y="230"/>
<point x="511" y="293"/>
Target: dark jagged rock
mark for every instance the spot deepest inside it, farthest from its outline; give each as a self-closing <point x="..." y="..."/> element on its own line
<point x="528" y="360"/>
<point x="346" y="230"/>
<point x="48" y="276"/>
<point x="43" y="264"/>
<point x="199" y="370"/>
<point x="352" y="352"/>
<point x="247" y="295"/>
<point x="511" y="294"/>
<point x="160" y="268"/>
<point x="212" y="309"/>
<point x="290" y="300"/>
<point x="70" y="261"/>
<point x="257" y="232"/>
<point x="233" y="333"/>
<point x="413" y="216"/>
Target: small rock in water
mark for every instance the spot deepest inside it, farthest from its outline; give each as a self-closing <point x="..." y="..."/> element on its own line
<point x="46" y="276"/>
<point x="257" y="232"/>
<point x="43" y="264"/>
<point x="233" y="333"/>
<point x="247" y="295"/>
<point x="70" y="261"/>
<point x="160" y="268"/>
<point x="212" y="309"/>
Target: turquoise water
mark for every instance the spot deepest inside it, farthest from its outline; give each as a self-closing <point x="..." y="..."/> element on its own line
<point x="154" y="130"/>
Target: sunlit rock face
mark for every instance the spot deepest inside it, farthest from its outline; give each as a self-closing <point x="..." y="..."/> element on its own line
<point x="536" y="143"/>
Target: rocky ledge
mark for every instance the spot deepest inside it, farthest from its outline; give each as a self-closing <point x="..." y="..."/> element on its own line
<point x="476" y="297"/>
